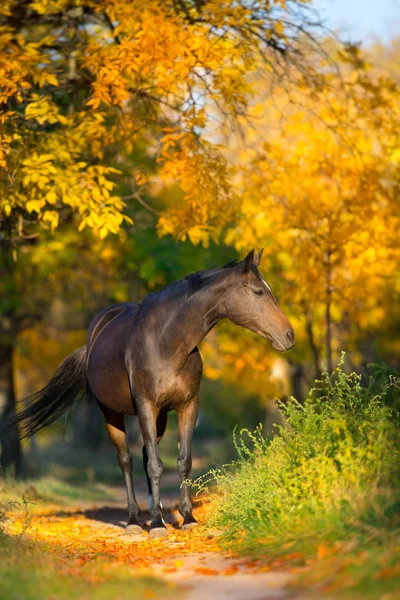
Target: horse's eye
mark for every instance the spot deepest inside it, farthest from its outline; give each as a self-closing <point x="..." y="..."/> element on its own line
<point x="258" y="292"/>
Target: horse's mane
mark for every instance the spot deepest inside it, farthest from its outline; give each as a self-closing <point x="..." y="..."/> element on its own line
<point x="198" y="279"/>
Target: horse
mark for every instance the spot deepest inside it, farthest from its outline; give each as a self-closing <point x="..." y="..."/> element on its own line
<point x="143" y="359"/>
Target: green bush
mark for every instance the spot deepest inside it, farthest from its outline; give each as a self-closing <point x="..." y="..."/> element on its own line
<point x="331" y="474"/>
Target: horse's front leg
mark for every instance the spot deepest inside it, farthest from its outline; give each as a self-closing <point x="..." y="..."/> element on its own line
<point x="161" y="426"/>
<point x="187" y="417"/>
<point x="148" y="414"/>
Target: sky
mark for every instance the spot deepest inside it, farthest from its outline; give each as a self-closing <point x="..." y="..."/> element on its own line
<point x="362" y="20"/>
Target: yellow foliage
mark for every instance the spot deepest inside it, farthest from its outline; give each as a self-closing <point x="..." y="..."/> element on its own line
<point x="92" y="78"/>
<point x="322" y="198"/>
<point x="43" y="110"/>
<point x="208" y="196"/>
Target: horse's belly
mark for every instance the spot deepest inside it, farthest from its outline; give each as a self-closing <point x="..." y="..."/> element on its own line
<point x="111" y="389"/>
<point x="109" y="382"/>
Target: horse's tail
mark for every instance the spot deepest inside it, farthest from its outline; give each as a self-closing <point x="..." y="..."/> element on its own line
<point x="52" y="401"/>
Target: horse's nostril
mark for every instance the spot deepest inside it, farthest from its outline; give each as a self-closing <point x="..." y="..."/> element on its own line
<point x="290" y="335"/>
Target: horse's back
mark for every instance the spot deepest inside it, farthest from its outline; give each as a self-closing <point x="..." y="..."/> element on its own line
<point x="107" y="375"/>
<point x="124" y="311"/>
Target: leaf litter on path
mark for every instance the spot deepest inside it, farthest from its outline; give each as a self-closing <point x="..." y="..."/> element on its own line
<point x="192" y="560"/>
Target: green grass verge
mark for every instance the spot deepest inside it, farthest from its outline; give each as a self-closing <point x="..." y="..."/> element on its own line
<point x="52" y="491"/>
<point x="330" y="480"/>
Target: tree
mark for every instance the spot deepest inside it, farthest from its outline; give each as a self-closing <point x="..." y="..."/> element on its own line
<point x="317" y="174"/>
<point x="85" y="82"/>
<point x="323" y="196"/>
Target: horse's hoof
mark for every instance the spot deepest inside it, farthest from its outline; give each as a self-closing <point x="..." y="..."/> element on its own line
<point x="157" y="532"/>
<point x="187" y="526"/>
<point x="133" y="529"/>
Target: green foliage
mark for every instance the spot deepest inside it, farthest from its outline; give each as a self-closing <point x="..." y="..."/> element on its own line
<point x="224" y="406"/>
<point x="332" y="473"/>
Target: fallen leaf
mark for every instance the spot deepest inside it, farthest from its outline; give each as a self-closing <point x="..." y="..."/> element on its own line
<point x="178" y="563"/>
<point x="206" y="571"/>
<point x="230" y="571"/>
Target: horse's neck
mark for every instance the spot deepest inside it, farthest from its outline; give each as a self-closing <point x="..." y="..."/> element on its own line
<point x="191" y="319"/>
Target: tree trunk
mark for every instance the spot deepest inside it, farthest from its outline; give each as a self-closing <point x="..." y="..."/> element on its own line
<point x="11" y="452"/>
<point x="314" y="348"/>
<point x="274" y="419"/>
<point x="297" y="373"/>
<point x="328" y="324"/>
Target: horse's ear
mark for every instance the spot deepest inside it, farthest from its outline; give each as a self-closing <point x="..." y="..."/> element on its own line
<point x="248" y="261"/>
<point x="257" y="258"/>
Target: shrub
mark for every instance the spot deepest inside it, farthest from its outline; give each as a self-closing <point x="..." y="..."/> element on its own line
<point x="331" y="474"/>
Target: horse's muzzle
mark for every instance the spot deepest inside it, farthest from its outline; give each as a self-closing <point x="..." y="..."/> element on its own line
<point x="287" y="343"/>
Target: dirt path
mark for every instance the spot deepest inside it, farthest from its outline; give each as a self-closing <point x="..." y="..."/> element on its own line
<point x="190" y="561"/>
<point x="215" y="574"/>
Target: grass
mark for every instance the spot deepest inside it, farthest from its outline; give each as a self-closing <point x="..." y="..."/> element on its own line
<point x="49" y="490"/>
<point x="325" y="490"/>
<point x="32" y="572"/>
<point x="358" y="569"/>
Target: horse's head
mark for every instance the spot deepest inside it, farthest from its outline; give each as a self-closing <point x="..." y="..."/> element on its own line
<point x="250" y="303"/>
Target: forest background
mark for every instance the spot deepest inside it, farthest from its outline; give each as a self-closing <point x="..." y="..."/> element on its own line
<point x="140" y="144"/>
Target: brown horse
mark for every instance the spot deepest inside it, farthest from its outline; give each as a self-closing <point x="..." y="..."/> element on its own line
<point x="142" y="359"/>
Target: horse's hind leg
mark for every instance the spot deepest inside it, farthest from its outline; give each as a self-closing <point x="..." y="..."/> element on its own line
<point x="161" y="426"/>
<point x="115" y="426"/>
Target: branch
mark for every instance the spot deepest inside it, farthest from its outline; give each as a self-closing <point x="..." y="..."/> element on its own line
<point x="180" y="6"/>
<point x="136" y="196"/>
<point x="111" y="26"/>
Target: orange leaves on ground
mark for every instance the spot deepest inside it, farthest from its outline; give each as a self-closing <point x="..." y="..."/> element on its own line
<point x="71" y="534"/>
